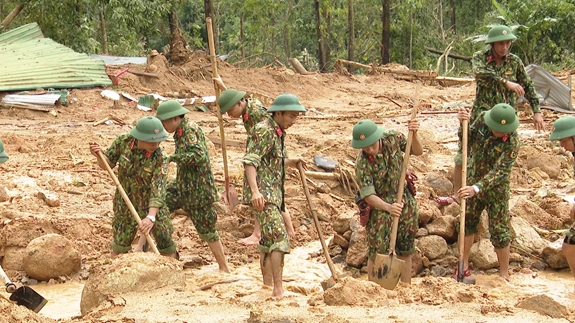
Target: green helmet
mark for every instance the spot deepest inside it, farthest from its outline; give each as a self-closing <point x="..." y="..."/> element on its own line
<point x="499" y="33"/>
<point x="3" y="154"/>
<point x="169" y="109"/>
<point x="286" y="102"/>
<point x="365" y="133"/>
<point x="502" y="118"/>
<point x="229" y="98"/>
<point x="563" y="127"/>
<point x="149" y="129"/>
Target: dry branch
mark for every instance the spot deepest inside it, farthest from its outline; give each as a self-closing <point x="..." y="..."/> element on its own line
<point x="298" y="67"/>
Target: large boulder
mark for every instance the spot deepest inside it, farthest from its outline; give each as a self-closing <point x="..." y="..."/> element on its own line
<point x="443" y="226"/>
<point x="535" y="215"/>
<point x="553" y="255"/>
<point x="131" y="272"/>
<point x="357" y="251"/>
<point x="341" y="224"/>
<point x="432" y="246"/>
<point x="544" y="305"/>
<point x="441" y="186"/>
<point x="51" y="256"/>
<point x="546" y="162"/>
<point x="526" y="239"/>
<point x="483" y="255"/>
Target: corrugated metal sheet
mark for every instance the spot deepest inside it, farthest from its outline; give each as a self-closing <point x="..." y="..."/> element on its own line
<point x="29" y="61"/>
<point x="554" y="92"/>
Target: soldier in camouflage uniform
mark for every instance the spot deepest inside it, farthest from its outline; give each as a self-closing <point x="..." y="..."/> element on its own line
<point x="377" y="170"/>
<point x="564" y="131"/>
<point x="3" y="153"/>
<point x="251" y="112"/>
<point x="142" y="171"/>
<point x="493" y="147"/>
<point x="264" y="176"/>
<point x="500" y="78"/>
<point x="194" y="189"/>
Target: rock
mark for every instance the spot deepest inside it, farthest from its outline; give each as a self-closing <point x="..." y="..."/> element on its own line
<point x="12" y="259"/>
<point x="3" y="194"/>
<point x="546" y="162"/>
<point x="438" y="271"/>
<point x="340" y="241"/>
<point x="357" y="251"/>
<point x="349" y="292"/>
<point x="416" y="263"/>
<point x="50" y="256"/>
<point x="335" y="250"/>
<point x="432" y="246"/>
<point x="483" y="255"/>
<point x="441" y="186"/>
<point x="421" y="232"/>
<point x="428" y="211"/>
<point x="529" y="211"/>
<point x="16" y="313"/>
<point x="347" y="235"/>
<point x="553" y="255"/>
<point x="452" y="209"/>
<point x="51" y="199"/>
<point x="483" y="227"/>
<point x="444" y="227"/>
<point x="246" y="229"/>
<point x="526" y="237"/>
<point x="131" y="272"/>
<point x="342" y="223"/>
<point x="544" y="305"/>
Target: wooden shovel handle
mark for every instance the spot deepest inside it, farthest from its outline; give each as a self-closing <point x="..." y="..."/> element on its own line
<point x="126" y="199"/>
<point x="404" y="165"/>
<point x="463" y="202"/>
<point x="316" y="223"/>
<point x="10" y="287"/>
<point x="217" y="90"/>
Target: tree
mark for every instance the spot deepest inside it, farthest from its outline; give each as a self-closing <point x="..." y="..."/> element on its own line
<point x="385" y="17"/>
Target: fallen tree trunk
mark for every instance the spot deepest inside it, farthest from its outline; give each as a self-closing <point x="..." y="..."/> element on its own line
<point x="12" y="15"/>
<point x="436" y="51"/>
<point x="298" y="67"/>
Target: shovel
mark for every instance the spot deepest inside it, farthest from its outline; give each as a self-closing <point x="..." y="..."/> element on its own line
<point x="24" y="296"/>
<point x="460" y="277"/>
<point x="334" y="275"/>
<point x="127" y="200"/>
<point x="230" y="194"/>
<point x="387" y="268"/>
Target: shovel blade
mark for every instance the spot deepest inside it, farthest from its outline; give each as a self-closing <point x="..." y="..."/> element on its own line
<point x="386" y="271"/>
<point x="29" y="298"/>
<point x="231" y="197"/>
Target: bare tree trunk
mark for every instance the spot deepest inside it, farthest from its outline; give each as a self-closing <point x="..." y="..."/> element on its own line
<point x="173" y="21"/>
<point x="328" y="15"/>
<point x="286" y="30"/>
<point x="440" y="12"/>
<point x="12" y="15"/>
<point x="242" y="37"/>
<point x="321" y="53"/>
<point x="453" y="28"/>
<point x="103" y="30"/>
<point x="351" y="34"/>
<point x="209" y="12"/>
<point x="385" y="17"/>
<point x="410" y="38"/>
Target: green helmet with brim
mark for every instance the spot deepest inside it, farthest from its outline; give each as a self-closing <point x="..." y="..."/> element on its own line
<point x="563" y="127"/>
<point x="169" y="109"/>
<point x="229" y="98"/>
<point x="3" y="153"/>
<point x="499" y="33"/>
<point x="286" y="102"/>
<point x="502" y="118"/>
<point x="149" y="129"/>
<point x="365" y="133"/>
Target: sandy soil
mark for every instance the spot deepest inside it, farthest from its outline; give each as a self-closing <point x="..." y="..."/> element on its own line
<point x="51" y="153"/>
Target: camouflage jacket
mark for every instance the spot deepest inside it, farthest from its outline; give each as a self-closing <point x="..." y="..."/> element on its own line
<point x="143" y="175"/>
<point x="266" y="152"/>
<point x="255" y="113"/>
<point x="490" y="158"/>
<point x="490" y="89"/>
<point x="194" y="169"/>
<point x="380" y="174"/>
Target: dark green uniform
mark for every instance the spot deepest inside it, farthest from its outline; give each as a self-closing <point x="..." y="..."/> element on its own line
<point x="380" y="175"/>
<point x="194" y="189"/>
<point x="255" y="113"/>
<point x="490" y="163"/>
<point x="266" y="152"/>
<point x="143" y="177"/>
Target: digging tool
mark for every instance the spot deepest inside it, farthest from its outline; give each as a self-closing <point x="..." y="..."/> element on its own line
<point x="387" y="268"/>
<point x="334" y="275"/>
<point x="127" y="200"/>
<point x="230" y="194"/>
<point x="460" y="277"/>
<point x="24" y="295"/>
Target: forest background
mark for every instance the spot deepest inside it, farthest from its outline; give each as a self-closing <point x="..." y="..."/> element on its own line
<point x="255" y="33"/>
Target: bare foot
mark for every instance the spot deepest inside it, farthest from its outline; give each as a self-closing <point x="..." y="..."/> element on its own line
<point x="225" y="269"/>
<point x="278" y="292"/>
<point x="250" y="241"/>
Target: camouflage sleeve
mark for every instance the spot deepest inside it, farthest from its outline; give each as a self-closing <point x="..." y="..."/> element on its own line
<point x="500" y="172"/>
<point x="158" y="185"/>
<point x="363" y="177"/>
<point x="194" y="151"/>
<point x="473" y="134"/>
<point x="260" y="142"/>
<point x="527" y="84"/>
<point x="485" y="77"/>
<point x="402" y="141"/>
<point x="114" y="151"/>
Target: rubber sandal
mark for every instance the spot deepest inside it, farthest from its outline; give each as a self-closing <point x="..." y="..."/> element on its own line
<point x="445" y="200"/>
<point x="466" y="273"/>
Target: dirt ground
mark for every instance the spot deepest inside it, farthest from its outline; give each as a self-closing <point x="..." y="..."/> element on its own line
<point x="50" y="153"/>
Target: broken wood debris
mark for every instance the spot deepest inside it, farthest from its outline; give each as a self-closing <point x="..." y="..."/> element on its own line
<point x="110" y="117"/>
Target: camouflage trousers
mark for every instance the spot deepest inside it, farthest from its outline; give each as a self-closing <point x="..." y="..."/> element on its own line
<point x="204" y="218"/>
<point x="274" y="235"/>
<point x="124" y="229"/>
<point x="379" y="229"/>
<point x="496" y="202"/>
